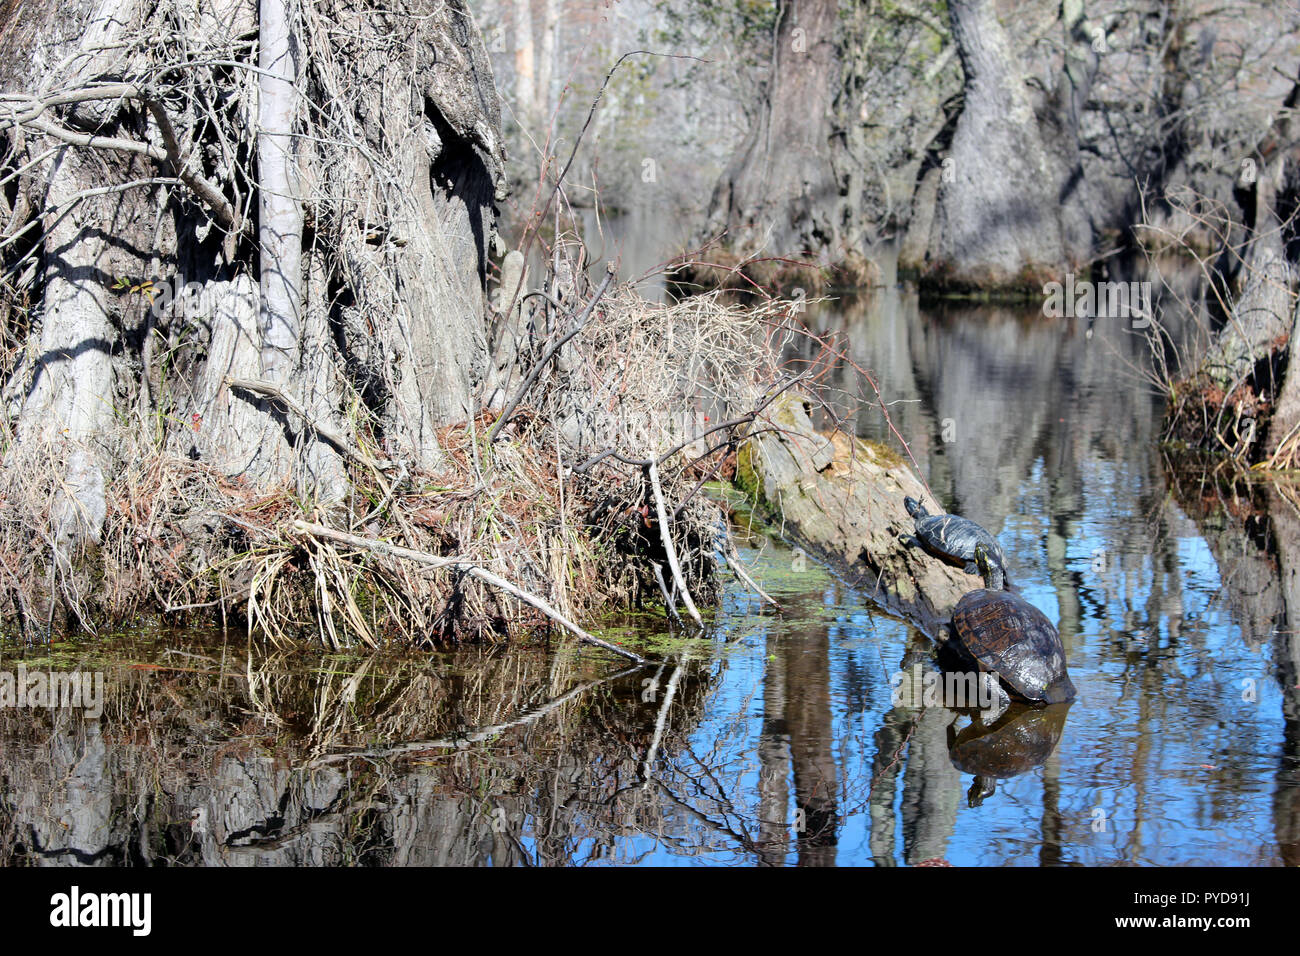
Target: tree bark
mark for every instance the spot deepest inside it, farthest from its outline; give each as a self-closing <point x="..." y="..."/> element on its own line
<point x="280" y="227"/>
<point x="321" y="475"/>
<point x="234" y="430"/>
<point x="71" y="396"/>
<point x="390" y="174"/>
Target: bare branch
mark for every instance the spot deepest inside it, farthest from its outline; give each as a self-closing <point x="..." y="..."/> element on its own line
<point x="484" y="575"/>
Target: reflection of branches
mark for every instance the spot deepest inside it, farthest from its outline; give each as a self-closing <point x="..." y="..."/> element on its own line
<point x="669" y="694"/>
<point x="475" y="735"/>
<point x="913" y="722"/>
<point x="741" y="839"/>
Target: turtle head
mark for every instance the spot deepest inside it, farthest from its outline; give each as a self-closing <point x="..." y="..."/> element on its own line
<point x="914" y="508"/>
<point x="980" y="788"/>
<point x="989" y="568"/>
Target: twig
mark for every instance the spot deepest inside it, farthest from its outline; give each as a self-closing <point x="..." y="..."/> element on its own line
<point x="336" y="439"/>
<point x="705" y="478"/>
<point x="392" y="492"/>
<point x="551" y="352"/>
<point x="534" y="222"/>
<point x="667" y="539"/>
<point x="484" y="575"/>
<point x="733" y="559"/>
<point x="663" y="589"/>
<point x="204" y="188"/>
<point x="746" y="419"/>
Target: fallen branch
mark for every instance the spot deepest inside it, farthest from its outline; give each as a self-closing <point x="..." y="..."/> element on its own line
<point x="840" y="498"/>
<point x="733" y="560"/>
<point x="487" y="577"/>
<point x="663" y="589"/>
<point x="667" y="539"/>
<point x="267" y="390"/>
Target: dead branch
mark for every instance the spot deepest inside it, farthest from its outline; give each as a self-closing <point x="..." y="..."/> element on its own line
<point x="551" y="352"/>
<point x="339" y="441"/>
<point x="667" y="539"/>
<point x="171" y="156"/>
<point x="737" y="568"/>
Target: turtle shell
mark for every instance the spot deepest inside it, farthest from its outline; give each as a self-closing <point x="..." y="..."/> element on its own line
<point x="1020" y="739"/>
<point x="956" y="537"/>
<point x="1006" y="634"/>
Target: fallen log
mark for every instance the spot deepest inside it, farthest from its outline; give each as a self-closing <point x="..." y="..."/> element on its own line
<point x="840" y="498"/>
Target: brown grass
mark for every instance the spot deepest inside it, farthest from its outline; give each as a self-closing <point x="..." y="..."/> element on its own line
<point x="183" y="543"/>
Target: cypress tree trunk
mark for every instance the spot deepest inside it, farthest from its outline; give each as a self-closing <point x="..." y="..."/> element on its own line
<point x="780" y="193"/>
<point x="998" y="217"/>
<point x="363" y="142"/>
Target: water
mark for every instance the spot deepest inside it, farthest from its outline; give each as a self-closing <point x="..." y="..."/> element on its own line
<point x="774" y="741"/>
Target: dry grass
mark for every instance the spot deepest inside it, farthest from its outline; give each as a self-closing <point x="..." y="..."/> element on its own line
<point x="555" y="500"/>
<point x="557" y="504"/>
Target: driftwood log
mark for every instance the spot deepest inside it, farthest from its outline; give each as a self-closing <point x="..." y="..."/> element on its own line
<point x="840" y="498"/>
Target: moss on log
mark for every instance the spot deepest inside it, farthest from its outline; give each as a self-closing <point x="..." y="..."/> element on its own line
<point x="840" y="498"/>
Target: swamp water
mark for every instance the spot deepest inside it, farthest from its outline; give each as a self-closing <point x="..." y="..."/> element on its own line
<point x="775" y="739"/>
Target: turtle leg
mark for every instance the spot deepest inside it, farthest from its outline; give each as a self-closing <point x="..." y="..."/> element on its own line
<point x="971" y="568"/>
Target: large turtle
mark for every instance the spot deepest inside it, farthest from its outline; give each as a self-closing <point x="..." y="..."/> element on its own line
<point x="953" y="537"/>
<point x="1000" y="632"/>
<point x="1017" y="741"/>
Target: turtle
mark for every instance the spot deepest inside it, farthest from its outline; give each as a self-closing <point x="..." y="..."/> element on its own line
<point x="1017" y="741"/>
<point x="953" y="537"/>
<point x="998" y="631"/>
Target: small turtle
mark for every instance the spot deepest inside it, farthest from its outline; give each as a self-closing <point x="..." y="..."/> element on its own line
<point x="953" y="538"/>
<point x="1000" y="632"/>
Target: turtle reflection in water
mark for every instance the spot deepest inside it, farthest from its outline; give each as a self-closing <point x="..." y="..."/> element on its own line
<point x="1019" y="740"/>
<point x="1000" y="632"/>
<point x="953" y="538"/>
